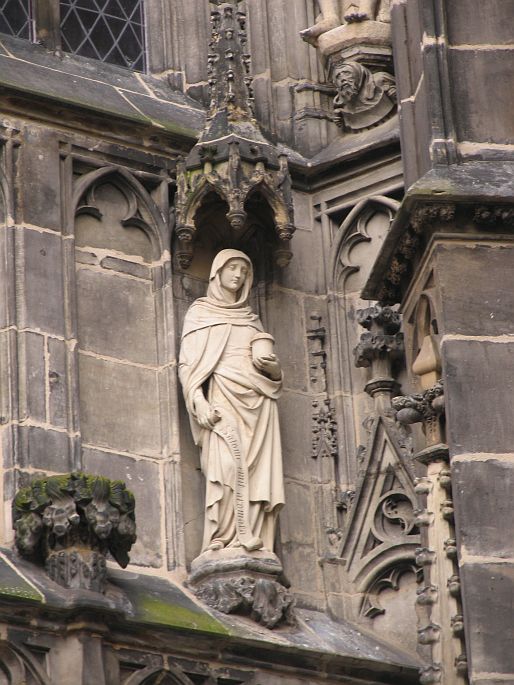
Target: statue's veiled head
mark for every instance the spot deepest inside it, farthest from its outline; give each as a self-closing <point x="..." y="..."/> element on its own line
<point x="231" y="278"/>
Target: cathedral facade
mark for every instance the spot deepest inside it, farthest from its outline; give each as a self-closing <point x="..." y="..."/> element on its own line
<point x="335" y="507"/>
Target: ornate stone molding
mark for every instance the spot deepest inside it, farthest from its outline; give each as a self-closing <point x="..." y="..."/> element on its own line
<point x="492" y="215"/>
<point x="71" y="522"/>
<point x="423" y="219"/>
<point x="232" y="160"/>
<point x="371" y="606"/>
<point x="324" y="430"/>
<point x="439" y="601"/>
<point x="324" y="424"/>
<point x="235" y="581"/>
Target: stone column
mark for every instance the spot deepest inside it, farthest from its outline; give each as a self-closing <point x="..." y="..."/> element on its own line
<point x="448" y="258"/>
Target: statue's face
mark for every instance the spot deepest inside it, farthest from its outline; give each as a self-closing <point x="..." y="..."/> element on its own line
<point x="233" y="274"/>
<point x="345" y="81"/>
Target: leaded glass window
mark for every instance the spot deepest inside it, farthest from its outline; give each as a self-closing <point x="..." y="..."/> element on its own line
<point x="15" y="18"/>
<point x="108" y="30"/>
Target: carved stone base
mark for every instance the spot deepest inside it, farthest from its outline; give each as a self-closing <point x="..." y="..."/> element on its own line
<point x="234" y="581"/>
<point x="77" y="568"/>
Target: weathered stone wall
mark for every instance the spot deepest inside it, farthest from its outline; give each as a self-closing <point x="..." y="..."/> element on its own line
<point x="94" y="301"/>
<point x="445" y="259"/>
<point x="446" y="116"/>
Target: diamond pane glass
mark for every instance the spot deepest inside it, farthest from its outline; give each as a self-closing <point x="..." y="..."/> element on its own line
<point x="15" y="18"/>
<point x="108" y="30"/>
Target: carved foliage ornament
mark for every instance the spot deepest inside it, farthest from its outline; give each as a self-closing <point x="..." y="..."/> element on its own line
<point x="423" y="220"/>
<point x="420" y="407"/>
<point x="70" y="522"/>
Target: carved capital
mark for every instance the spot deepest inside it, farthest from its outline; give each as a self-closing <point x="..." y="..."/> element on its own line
<point x="381" y="317"/>
<point x="71" y="522"/>
<point x="431" y="674"/>
<point x="371" y="346"/>
<point x="377" y="349"/>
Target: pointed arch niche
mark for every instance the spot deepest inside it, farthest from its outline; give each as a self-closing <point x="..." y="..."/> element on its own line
<point x="355" y="247"/>
<point x="257" y="237"/>
<point x="125" y="356"/>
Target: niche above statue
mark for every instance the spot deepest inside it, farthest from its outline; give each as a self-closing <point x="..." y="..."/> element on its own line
<point x="353" y="39"/>
<point x="231" y="379"/>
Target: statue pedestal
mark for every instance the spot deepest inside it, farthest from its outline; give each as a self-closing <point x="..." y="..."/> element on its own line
<point x="233" y="580"/>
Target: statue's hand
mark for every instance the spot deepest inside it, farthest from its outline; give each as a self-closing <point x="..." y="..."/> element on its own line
<point x="206" y="416"/>
<point x="356" y="16"/>
<point x="269" y="365"/>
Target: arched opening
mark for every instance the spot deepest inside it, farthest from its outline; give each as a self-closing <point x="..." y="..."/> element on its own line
<point x="213" y="232"/>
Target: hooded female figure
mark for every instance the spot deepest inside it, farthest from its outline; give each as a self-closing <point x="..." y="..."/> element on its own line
<point x="231" y="399"/>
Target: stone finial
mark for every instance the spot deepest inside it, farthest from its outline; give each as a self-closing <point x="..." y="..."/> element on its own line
<point x="70" y="522"/>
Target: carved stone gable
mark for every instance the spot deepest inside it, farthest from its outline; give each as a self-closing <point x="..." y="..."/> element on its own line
<point x="381" y="527"/>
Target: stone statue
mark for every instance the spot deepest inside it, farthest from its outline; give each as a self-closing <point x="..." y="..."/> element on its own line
<point x="363" y="98"/>
<point x="231" y="380"/>
<point x="336" y="12"/>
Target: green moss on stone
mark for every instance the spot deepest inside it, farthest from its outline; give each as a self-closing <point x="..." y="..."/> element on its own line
<point x="154" y="610"/>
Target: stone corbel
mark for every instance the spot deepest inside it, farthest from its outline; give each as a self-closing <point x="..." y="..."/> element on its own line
<point x="354" y="42"/>
<point x="71" y="522"/>
<point x="427" y="408"/>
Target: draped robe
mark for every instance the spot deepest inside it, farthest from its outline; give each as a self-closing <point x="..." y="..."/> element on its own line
<point x="215" y="357"/>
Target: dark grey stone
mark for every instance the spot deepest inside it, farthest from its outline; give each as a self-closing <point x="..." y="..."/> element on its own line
<point x="298" y="516"/>
<point x="43" y="282"/>
<point x="487" y="24"/>
<point x="102" y="88"/>
<point x="477" y="288"/>
<point x="57" y="382"/>
<point x="32" y="375"/>
<point x="41" y="448"/>
<point x="287" y="325"/>
<point x="119" y="406"/>
<point x="482" y="493"/>
<point x="483" y="113"/>
<point x="489" y="604"/>
<point x="296" y="435"/>
<point x="125" y="267"/>
<point x="7" y="288"/>
<point x="479" y="393"/>
<point x="40" y="161"/>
